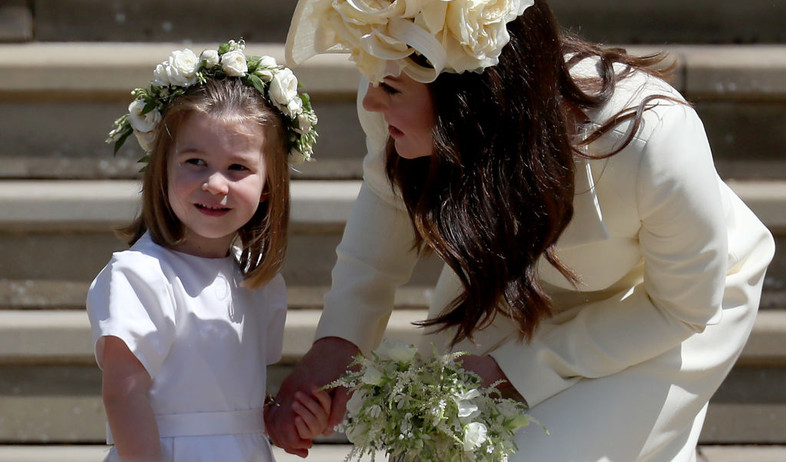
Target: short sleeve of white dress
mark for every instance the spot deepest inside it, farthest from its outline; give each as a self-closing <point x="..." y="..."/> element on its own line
<point x="130" y="299"/>
<point x="276" y="318"/>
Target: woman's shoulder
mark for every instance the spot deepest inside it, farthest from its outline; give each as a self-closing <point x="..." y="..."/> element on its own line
<point x="636" y="87"/>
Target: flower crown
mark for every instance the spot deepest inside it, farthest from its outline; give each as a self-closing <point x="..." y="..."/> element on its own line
<point x="184" y="69"/>
<point x="384" y="35"/>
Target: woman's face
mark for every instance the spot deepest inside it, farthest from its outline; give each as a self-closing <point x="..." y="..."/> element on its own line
<point x="409" y="112"/>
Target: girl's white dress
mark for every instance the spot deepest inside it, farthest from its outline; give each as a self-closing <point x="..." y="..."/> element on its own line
<point x="205" y="341"/>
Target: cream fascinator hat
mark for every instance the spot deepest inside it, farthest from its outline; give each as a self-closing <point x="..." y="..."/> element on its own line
<point x="383" y="36"/>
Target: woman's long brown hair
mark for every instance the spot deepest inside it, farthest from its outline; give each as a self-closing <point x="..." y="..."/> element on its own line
<point x="498" y="191"/>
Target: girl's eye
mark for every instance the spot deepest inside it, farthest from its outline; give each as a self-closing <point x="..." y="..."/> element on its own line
<point x="238" y="167"/>
<point x="195" y="162"/>
<point x="388" y="89"/>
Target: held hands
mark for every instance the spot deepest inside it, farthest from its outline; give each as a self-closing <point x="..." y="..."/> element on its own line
<point x="312" y="412"/>
<point x="327" y="359"/>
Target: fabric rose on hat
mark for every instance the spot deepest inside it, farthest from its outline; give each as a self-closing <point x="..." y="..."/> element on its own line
<point x="478" y="31"/>
<point x="452" y="35"/>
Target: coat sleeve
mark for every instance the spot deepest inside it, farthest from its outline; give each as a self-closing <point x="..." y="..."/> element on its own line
<point x="130" y="299"/>
<point x="376" y="253"/>
<point x="683" y="244"/>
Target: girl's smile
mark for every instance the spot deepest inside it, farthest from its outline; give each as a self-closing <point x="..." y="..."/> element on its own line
<point x="213" y="210"/>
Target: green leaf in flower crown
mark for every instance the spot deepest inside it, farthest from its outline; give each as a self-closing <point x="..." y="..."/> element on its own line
<point x="122" y="139"/>
<point x="306" y="101"/>
<point x="252" y="62"/>
<point x="150" y="104"/>
<point x="223" y="48"/>
<point x="257" y="83"/>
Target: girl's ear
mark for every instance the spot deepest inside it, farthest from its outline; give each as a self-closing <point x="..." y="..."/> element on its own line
<point x="265" y="193"/>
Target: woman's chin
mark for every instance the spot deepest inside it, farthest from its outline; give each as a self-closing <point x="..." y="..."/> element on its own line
<point x="408" y="153"/>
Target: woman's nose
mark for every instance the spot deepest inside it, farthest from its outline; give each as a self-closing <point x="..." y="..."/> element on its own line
<point x="374" y="101"/>
<point x="216" y="184"/>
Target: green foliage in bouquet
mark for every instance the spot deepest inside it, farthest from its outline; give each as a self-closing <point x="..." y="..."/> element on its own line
<point x="417" y="408"/>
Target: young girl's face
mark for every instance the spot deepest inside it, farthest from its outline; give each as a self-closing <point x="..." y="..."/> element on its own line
<point x="409" y="112"/>
<point x="217" y="176"/>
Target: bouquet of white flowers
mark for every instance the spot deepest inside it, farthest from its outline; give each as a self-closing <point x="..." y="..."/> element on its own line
<point x="417" y="408"/>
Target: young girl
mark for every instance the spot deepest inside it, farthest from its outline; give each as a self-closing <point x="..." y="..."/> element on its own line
<point x="186" y="321"/>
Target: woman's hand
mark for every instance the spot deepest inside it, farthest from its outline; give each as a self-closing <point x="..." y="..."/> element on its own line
<point x="326" y="361"/>
<point x="488" y="370"/>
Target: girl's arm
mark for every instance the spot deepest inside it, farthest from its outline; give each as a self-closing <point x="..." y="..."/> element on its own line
<point x="125" y="393"/>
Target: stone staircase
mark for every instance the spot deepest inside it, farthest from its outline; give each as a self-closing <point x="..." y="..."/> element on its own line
<point x="66" y="69"/>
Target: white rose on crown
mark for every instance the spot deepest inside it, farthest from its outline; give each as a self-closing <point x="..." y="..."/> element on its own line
<point x="183" y="69"/>
<point x="283" y="88"/>
<point x="305" y="121"/>
<point x="294" y="107"/>
<point x="179" y="70"/>
<point x="266" y="68"/>
<point x="142" y="122"/>
<point x="145" y="139"/>
<point x="234" y="63"/>
<point x="210" y="57"/>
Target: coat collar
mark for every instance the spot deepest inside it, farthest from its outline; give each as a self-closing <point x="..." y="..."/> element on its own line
<point x="587" y="224"/>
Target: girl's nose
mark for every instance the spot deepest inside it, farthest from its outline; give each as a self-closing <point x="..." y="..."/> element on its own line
<point x="374" y="101"/>
<point x="216" y="184"/>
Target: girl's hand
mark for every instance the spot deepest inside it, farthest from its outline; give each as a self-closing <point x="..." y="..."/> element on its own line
<point x="327" y="359"/>
<point x="312" y="412"/>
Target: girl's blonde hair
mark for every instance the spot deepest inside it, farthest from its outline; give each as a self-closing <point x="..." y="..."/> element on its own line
<point x="263" y="240"/>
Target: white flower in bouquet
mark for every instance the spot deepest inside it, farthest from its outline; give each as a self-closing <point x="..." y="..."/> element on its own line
<point x="474" y="435"/>
<point x="415" y="407"/>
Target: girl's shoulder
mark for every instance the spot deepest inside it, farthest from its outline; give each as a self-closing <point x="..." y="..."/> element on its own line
<point x="144" y="253"/>
<point x="143" y="263"/>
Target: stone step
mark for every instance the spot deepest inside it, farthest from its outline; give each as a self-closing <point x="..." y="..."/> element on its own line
<point x="335" y="452"/>
<point x="643" y="21"/>
<point x="48" y="378"/>
<point x="59" y="125"/>
<point x="61" y="230"/>
<point x="47" y="337"/>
